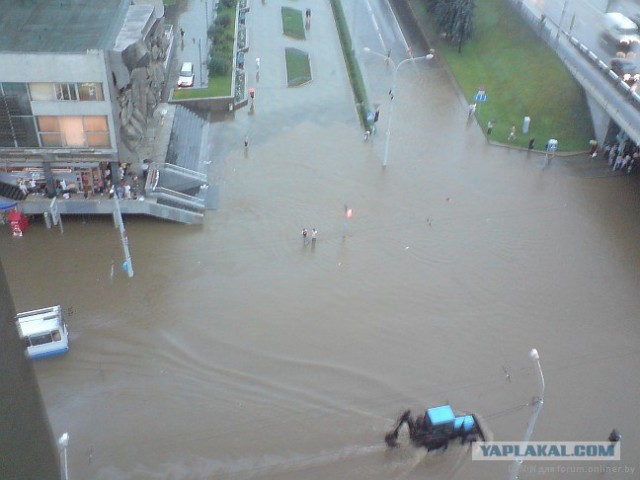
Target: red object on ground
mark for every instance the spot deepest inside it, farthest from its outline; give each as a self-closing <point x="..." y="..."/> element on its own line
<point x="18" y="223"/>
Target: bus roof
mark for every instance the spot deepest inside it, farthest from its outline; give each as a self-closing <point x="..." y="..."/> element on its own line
<point x="39" y="321"/>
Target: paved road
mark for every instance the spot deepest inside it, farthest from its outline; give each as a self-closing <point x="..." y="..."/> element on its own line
<point x="194" y="16"/>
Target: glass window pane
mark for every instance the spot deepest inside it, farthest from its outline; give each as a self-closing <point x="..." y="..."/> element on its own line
<point x="14" y="89"/>
<point x="66" y="91"/>
<point x="96" y="124"/>
<point x="41" y="91"/>
<point x="6" y="139"/>
<point x="51" y="139"/>
<point x="28" y="136"/>
<point x="19" y="96"/>
<point x="48" y="124"/>
<point x="98" y="140"/>
<point x="41" y="339"/>
<point x="73" y="131"/>
<point x="90" y="91"/>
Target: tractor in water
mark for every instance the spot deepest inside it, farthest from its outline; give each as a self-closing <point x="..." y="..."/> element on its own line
<point x="436" y="428"/>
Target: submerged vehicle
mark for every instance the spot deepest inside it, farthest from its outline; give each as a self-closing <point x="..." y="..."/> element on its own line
<point x="436" y="427"/>
<point x="43" y="332"/>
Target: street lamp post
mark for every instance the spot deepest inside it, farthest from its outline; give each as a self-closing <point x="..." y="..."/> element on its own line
<point x="63" y="443"/>
<point x="392" y="93"/>
<point x="537" y="406"/>
<point x="117" y="218"/>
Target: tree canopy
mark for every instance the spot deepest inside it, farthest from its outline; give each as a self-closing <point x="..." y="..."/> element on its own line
<point x="454" y="18"/>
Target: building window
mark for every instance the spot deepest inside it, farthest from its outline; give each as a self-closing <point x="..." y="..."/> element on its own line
<point x="90" y="91"/>
<point x="49" y="92"/>
<point x="49" y="130"/>
<point x="97" y="131"/>
<point x="41" y="92"/>
<point x="16" y="120"/>
<point x="74" y="131"/>
<point x="66" y="91"/>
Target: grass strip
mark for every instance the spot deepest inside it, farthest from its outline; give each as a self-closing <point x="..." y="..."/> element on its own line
<point x="355" y="76"/>
<point x="522" y="77"/>
<point x="292" y="25"/>
<point x="298" y="68"/>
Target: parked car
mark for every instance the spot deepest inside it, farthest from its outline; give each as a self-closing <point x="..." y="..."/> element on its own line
<point x="619" y="31"/>
<point x="186" y="77"/>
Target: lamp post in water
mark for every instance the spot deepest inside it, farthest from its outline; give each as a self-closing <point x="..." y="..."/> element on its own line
<point x="117" y="219"/>
<point x="63" y="442"/>
<point x="392" y="92"/>
<point x="537" y="406"/>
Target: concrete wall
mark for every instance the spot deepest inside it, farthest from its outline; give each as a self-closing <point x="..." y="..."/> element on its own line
<point x="52" y="67"/>
<point x="214" y="104"/>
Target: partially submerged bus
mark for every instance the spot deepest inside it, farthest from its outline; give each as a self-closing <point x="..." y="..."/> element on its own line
<point x="43" y="331"/>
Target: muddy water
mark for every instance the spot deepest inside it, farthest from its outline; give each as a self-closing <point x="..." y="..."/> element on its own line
<point x="237" y="352"/>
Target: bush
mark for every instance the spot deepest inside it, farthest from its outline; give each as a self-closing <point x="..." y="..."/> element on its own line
<point x="223" y="21"/>
<point x="227" y="3"/>
<point x="219" y="64"/>
<point x="211" y="32"/>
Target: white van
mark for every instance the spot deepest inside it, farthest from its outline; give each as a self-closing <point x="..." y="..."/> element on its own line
<point x="185" y="79"/>
<point x="43" y="331"/>
<point x="619" y="31"/>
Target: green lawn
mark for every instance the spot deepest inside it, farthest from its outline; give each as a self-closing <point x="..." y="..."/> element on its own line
<point x="292" y="23"/>
<point x="298" y="68"/>
<point x="523" y="77"/>
<point x="218" y="87"/>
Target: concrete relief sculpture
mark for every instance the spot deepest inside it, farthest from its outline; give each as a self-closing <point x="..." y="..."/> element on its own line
<point x="139" y="99"/>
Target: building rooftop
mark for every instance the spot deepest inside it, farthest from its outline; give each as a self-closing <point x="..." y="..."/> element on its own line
<point x="60" y="25"/>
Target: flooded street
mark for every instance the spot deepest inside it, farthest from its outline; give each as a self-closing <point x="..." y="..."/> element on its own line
<point x="237" y="352"/>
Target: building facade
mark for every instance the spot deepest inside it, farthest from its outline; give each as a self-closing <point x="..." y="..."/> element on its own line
<point x="75" y="99"/>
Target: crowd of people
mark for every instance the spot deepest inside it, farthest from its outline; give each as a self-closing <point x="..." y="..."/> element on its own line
<point x="625" y="157"/>
<point x="127" y="186"/>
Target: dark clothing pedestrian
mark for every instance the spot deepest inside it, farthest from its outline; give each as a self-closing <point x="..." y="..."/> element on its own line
<point x="490" y="125"/>
<point x="532" y="140"/>
<point x="305" y="239"/>
<point x="181" y="33"/>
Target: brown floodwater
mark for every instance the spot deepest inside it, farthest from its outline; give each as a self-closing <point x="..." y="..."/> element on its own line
<point x="237" y="352"/>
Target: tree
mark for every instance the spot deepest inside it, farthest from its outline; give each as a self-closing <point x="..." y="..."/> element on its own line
<point x="463" y="23"/>
<point x="454" y="18"/>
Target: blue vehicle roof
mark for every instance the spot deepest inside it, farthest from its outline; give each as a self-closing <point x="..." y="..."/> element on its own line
<point x="466" y="422"/>
<point x="441" y="415"/>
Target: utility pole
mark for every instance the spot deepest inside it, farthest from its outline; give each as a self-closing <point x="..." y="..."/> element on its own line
<point x="564" y="10"/>
<point x="200" y="62"/>
<point x="117" y="219"/>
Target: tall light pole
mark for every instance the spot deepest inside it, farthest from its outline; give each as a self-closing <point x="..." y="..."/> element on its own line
<point x="117" y="219"/>
<point x="392" y="93"/>
<point x="537" y="406"/>
<point x="63" y="443"/>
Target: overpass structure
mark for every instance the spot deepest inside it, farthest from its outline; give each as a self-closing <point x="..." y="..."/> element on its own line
<point x="609" y="97"/>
